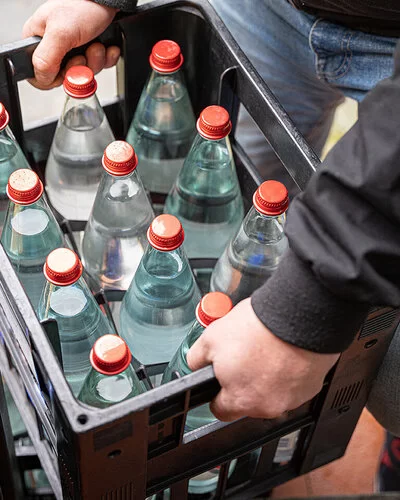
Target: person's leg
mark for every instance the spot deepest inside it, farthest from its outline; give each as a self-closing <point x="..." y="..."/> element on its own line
<point x="275" y="37"/>
<point x="308" y="63"/>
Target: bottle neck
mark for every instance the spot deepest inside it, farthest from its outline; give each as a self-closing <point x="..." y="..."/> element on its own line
<point x="8" y="146"/>
<point x="119" y="188"/>
<point x="102" y="391"/>
<point x="66" y="301"/>
<point x="29" y="220"/>
<point x="165" y="265"/>
<point x="82" y="114"/>
<point x="209" y="172"/>
<point x="263" y="228"/>
<point x="166" y="86"/>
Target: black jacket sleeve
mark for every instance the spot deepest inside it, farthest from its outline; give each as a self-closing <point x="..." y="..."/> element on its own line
<point x="124" y="5"/>
<point x="344" y="234"/>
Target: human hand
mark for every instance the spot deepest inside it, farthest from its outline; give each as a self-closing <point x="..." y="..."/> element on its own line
<point x="261" y="376"/>
<point x="64" y="25"/>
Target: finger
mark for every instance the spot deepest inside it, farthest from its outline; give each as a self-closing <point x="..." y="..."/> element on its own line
<point x="198" y="355"/>
<point x="224" y="408"/>
<point x="96" y="57"/>
<point x="48" y="56"/>
<point x="112" y="56"/>
<point x="34" y="26"/>
<point x="76" y="61"/>
<point x="56" y="83"/>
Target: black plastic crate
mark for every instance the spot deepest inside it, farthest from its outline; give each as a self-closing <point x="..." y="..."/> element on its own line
<point x="139" y="447"/>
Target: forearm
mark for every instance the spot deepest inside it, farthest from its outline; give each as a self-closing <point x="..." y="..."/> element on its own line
<point x="344" y="235"/>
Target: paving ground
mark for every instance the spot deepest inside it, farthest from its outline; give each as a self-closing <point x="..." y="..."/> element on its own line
<point x="348" y="475"/>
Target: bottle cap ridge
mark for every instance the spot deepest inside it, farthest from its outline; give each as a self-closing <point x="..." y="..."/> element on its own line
<point x="165" y="233"/>
<point x="62" y="267"/>
<point x="213" y="305"/>
<point x="214" y="123"/>
<point x="119" y="158"/>
<point x="166" y="57"/>
<point x="4" y="117"/>
<point x="110" y="355"/>
<point x="24" y="187"/>
<point x="271" y="198"/>
<point x="79" y="82"/>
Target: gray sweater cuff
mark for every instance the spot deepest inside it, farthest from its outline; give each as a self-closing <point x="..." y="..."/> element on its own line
<point x="297" y="308"/>
<point x="124" y="5"/>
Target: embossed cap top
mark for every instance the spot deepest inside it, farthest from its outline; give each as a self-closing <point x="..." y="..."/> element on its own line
<point x="110" y="355"/>
<point x="214" y="123"/>
<point x="271" y="198"/>
<point x="119" y="158"/>
<point x="79" y="82"/>
<point x="24" y="187"/>
<point x="166" y="56"/>
<point x="213" y="305"/>
<point x="165" y="233"/>
<point x="62" y="267"/>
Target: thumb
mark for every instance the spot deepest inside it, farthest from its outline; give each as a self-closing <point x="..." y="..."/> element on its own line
<point x="48" y="56"/>
<point x="198" y="355"/>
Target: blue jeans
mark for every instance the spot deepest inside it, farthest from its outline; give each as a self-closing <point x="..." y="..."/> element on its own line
<point x="309" y="64"/>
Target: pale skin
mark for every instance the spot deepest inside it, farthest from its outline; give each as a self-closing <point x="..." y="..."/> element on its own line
<point x="260" y="375"/>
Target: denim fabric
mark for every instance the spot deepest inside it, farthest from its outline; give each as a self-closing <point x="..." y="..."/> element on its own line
<point x="309" y="64"/>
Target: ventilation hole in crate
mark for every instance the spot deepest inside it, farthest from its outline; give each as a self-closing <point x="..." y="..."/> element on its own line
<point x="114" y="454"/>
<point x="82" y="419"/>
<point x="370" y="343"/>
<point x="379" y="323"/>
<point x="346" y="395"/>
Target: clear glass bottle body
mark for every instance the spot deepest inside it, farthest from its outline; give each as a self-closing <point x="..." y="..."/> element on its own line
<point x="11" y="159"/>
<point x="115" y="236"/>
<point x="206" y="198"/>
<point x="199" y="416"/>
<point x="80" y="323"/>
<point x="159" y="306"/>
<point x="30" y="233"/>
<point x="74" y="167"/>
<point x="162" y="130"/>
<point x="102" y="391"/>
<point x="251" y="256"/>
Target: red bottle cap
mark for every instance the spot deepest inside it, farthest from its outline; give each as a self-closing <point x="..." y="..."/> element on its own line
<point x="165" y="233"/>
<point x="24" y="187"/>
<point x="166" y="56"/>
<point x="110" y="355"/>
<point x="4" y="117"/>
<point x="62" y="267"/>
<point x="214" y="123"/>
<point x="119" y="159"/>
<point x="271" y="198"/>
<point x="79" y="82"/>
<point x="213" y="306"/>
